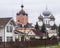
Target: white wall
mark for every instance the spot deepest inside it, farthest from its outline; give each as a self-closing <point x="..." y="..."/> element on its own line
<point x="10" y="34"/>
<point x="52" y="33"/>
<point x="2" y="33"/>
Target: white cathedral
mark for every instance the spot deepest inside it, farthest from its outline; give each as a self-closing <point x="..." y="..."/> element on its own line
<point x="49" y="20"/>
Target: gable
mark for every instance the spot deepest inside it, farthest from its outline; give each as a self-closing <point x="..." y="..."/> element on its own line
<point x="11" y="22"/>
<point x="31" y="33"/>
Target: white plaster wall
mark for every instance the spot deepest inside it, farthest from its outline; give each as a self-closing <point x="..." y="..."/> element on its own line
<point x="46" y="19"/>
<point x="37" y="37"/>
<point x="52" y="33"/>
<point x="2" y="33"/>
<point x="10" y="34"/>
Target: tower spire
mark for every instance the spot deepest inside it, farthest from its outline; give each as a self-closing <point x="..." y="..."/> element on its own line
<point x="46" y="7"/>
<point x="22" y="5"/>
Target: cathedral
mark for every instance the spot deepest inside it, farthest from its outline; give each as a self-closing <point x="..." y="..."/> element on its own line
<point x="48" y="20"/>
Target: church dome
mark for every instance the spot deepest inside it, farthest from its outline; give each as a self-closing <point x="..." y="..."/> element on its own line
<point x="40" y="17"/>
<point x="22" y="11"/>
<point x="52" y="17"/>
<point x="46" y="13"/>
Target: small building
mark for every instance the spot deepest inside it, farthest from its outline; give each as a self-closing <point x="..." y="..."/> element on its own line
<point x="35" y="33"/>
<point x="7" y="27"/>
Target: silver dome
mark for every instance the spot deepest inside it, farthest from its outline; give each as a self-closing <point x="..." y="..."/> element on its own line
<point x="46" y="13"/>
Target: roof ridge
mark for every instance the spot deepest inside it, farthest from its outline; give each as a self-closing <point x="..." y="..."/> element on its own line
<point x="5" y="17"/>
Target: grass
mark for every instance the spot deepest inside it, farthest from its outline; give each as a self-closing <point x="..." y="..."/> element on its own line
<point x="36" y="47"/>
<point x="49" y="46"/>
<point x="54" y="46"/>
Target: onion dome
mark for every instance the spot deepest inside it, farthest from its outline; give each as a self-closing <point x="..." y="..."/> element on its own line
<point x="46" y="13"/>
<point x="22" y="11"/>
<point x="52" y="17"/>
<point x="22" y="6"/>
<point x="40" y="17"/>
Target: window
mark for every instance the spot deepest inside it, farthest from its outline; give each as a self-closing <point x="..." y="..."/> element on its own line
<point x="19" y="25"/>
<point x="0" y="39"/>
<point x="9" y="28"/>
<point x="9" y="39"/>
<point x="18" y="20"/>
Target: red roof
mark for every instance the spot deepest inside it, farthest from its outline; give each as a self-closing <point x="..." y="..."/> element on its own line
<point x="4" y="21"/>
<point x="38" y="32"/>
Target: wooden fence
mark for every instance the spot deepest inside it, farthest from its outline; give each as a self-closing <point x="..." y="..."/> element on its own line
<point x="25" y="44"/>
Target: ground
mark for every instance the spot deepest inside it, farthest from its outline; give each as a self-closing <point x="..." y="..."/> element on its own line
<point x="55" y="46"/>
<point x="47" y="47"/>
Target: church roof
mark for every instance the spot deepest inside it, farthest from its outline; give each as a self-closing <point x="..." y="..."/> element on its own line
<point x="52" y="17"/>
<point x="22" y="11"/>
<point x="46" y="13"/>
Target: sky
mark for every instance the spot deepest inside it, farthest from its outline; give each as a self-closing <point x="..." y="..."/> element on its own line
<point x="9" y="8"/>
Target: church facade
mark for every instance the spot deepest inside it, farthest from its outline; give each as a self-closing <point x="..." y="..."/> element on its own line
<point x="48" y="20"/>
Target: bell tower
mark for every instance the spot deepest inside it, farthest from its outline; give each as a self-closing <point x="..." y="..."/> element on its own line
<point x="21" y="17"/>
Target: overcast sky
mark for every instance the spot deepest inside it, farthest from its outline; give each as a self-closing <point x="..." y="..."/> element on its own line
<point x="9" y="8"/>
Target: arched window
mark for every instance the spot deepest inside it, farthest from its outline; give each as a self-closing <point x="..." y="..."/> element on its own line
<point x="18" y="20"/>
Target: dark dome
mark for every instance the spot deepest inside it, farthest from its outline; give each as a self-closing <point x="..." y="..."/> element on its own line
<point x="52" y="17"/>
<point x="40" y="17"/>
<point x="22" y="12"/>
<point x="22" y="6"/>
<point x="46" y="13"/>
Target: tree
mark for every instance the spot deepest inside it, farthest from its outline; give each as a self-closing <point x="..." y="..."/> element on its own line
<point x="36" y="26"/>
<point x="54" y="27"/>
<point x="59" y="30"/>
<point x="43" y="29"/>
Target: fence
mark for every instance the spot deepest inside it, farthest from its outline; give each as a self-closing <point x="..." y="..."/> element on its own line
<point x="25" y="44"/>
